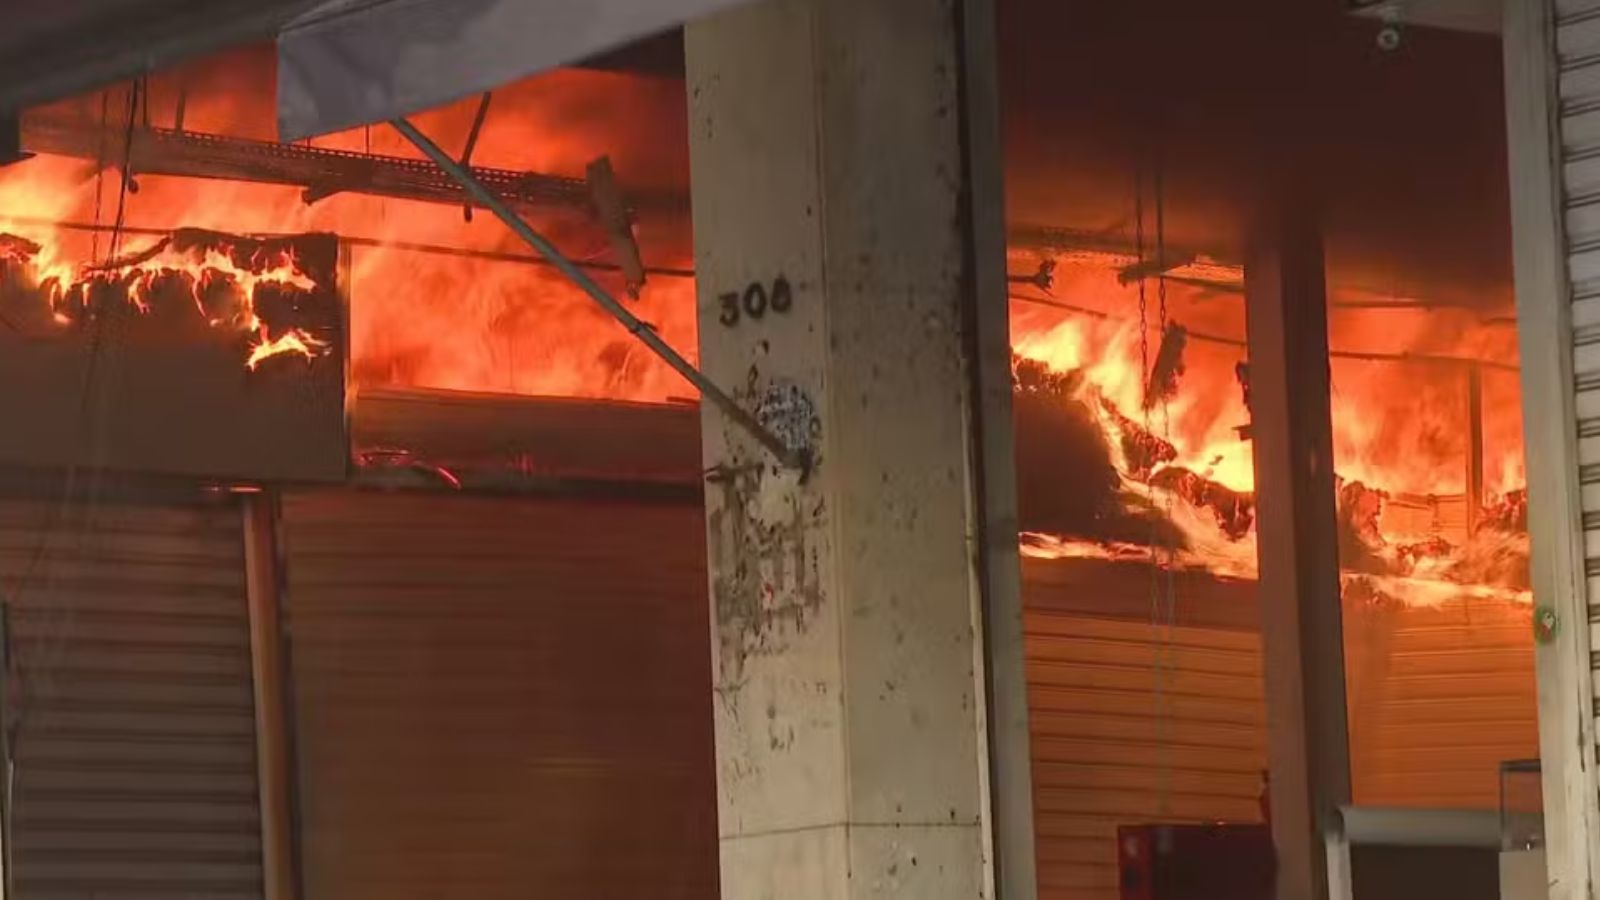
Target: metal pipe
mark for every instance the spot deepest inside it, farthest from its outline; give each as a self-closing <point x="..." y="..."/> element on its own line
<point x="1357" y="355"/>
<point x="1395" y="827"/>
<point x="1474" y="447"/>
<point x="367" y="242"/>
<point x="790" y="457"/>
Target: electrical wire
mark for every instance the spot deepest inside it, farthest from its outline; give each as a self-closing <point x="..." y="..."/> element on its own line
<point x="90" y="431"/>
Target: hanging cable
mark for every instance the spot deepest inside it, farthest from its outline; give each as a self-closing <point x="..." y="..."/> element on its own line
<point x="1160" y="561"/>
<point x="86" y="393"/>
<point x="100" y="170"/>
<point x="127" y="174"/>
<point x="92" y="418"/>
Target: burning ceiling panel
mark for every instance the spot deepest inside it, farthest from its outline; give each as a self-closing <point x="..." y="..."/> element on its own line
<point x="196" y="352"/>
<point x="440" y="299"/>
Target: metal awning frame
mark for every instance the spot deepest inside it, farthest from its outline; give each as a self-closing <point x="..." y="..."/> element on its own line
<point x="792" y="457"/>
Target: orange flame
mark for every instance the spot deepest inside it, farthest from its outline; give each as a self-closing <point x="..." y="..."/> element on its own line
<point x="295" y="341"/>
<point x="197" y="268"/>
<point x="1399" y="426"/>
<point x="418" y="318"/>
<point x="436" y="320"/>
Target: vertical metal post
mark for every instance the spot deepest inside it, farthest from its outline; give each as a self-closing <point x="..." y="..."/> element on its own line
<point x="1011" y="798"/>
<point x="273" y="775"/>
<point x="793" y="457"/>
<point x="1557" y="567"/>
<point x="1474" y="447"/>
<point x="1302" y="626"/>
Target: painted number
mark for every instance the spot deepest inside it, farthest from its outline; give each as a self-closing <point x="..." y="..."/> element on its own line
<point x="754" y="302"/>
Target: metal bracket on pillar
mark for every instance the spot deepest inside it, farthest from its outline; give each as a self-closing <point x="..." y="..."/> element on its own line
<point x="11" y="138"/>
<point x="795" y="457"/>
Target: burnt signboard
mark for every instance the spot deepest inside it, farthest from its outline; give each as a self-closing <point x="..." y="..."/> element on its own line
<point x="193" y="353"/>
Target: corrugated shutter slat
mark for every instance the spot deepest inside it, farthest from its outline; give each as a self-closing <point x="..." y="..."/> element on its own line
<point x="1578" y="60"/>
<point x="501" y="697"/>
<point x="1438" y="697"/>
<point x="134" y="729"/>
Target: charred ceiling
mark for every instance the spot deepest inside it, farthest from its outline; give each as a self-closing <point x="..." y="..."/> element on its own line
<point x="1408" y="145"/>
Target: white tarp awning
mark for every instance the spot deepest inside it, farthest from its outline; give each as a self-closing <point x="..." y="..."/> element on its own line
<point x="354" y="62"/>
<point x="50" y="50"/>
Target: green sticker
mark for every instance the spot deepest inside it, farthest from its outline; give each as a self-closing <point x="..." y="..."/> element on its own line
<point x="1545" y="624"/>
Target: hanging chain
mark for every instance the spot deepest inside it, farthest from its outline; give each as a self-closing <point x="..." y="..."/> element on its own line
<point x="1167" y="602"/>
<point x="1138" y="244"/>
<point x="1161" y="553"/>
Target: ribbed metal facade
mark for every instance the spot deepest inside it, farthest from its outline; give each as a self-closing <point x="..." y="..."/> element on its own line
<point x="129" y="704"/>
<point x="1438" y="698"/>
<point x="1106" y="751"/>
<point x="500" y="697"/>
<point x="1578" y="51"/>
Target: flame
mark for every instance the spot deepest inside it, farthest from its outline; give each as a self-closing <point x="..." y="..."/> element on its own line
<point x="294" y="341"/>
<point x="196" y="266"/>
<point x="444" y="318"/>
<point x="1399" y="426"/>
<point x="420" y="318"/>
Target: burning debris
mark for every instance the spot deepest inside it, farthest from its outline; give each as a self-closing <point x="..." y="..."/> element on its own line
<point x="1235" y="511"/>
<point x="1410" y="556"/>
<point x="1143" y="451"/>
<point x="1507" y="514"/>
<point x="16" y="251"/>
<point x="1494" y="554"/>
<point x="195" y="353"/>
<point x="1159" y="489"/>
<point x="1060" y="432"/>
<point x="276" y="293"/>
<point x="1162" y="384"/>
<point x="1362" y="545"/>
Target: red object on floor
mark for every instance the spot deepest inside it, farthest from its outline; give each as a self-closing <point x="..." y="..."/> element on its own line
<point x="1195" y="862"/>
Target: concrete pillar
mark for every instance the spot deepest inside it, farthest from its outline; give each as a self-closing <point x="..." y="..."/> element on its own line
<point x="1302" y="626"/>
<point x="837" y="275"/>
<point x="1548" y="320"/>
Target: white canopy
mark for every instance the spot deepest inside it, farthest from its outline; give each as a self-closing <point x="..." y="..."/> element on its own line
<point x="50" y="50"/>
<point x="354" y="62"/>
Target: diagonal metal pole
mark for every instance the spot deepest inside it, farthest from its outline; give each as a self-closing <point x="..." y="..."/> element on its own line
<point x="708" y="389"/>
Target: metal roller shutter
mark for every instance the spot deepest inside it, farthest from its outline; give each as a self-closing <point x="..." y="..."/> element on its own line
<point x="1097" y="738"/>
<point x="500" y="697"/>
<point x="1438" y="698"/>
<point x="1578" y="56"/>
<point x="130" y="709"/>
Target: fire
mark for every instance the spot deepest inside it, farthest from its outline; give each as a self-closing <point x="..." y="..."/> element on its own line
<point x="296" y="341"/>
<point x="441" y="299"/>
<point x="435" y="300"/>
<point x="1399" y="409"/>
<point x="224" y="278"/>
